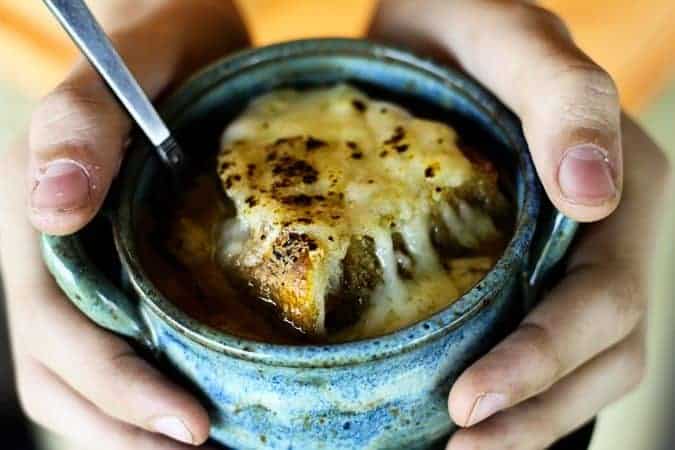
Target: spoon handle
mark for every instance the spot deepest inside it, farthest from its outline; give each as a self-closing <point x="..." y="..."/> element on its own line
<point x="78" y="21"/>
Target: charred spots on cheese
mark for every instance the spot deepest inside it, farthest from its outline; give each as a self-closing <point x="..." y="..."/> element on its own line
<point x="429" y="172"/>
<point x="251" y="201"/>
<point x="359" y="105"/>
<point x="351" y="144"/>
<point x="313" y="143"/>
<point x="271" y="156"/>
<point x="383" y="153"/>
<point x="292" y="247"/>
<point x="300" y="240"/>
<point x="231" y="179"/>
<point x="224" y="166"/>
<point x="289" y="169"/>
<point x="301" y="199"/>
<point x="305" y="220"/>
<point x="398" y="136"/>
<point x="250" y="169"/>
<point x="401" y="148"/>
<point x="357" y="155"/>
<point x="289" y="140"/>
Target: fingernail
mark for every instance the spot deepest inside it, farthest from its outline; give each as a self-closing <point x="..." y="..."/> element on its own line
<point x="484" y="406"/>
<point x="585" y="175"/>
<point x="174" y="428"/>
<point x="61" y="185"/>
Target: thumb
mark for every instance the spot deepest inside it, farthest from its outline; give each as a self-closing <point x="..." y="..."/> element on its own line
<point x="78" y="132"/>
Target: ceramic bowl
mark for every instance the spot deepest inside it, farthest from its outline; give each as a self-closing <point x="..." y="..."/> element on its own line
<point x="386" y="392"/>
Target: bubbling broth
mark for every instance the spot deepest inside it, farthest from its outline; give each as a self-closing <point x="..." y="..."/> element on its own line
<point x="328" y="216"/>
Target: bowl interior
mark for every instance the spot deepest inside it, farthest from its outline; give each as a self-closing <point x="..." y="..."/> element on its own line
<point x="200" y="109"/>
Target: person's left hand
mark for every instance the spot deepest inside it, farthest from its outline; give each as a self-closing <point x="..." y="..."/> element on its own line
<point x="582" y="347"/>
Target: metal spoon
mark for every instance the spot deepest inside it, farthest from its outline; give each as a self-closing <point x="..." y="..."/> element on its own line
<point x="78" y="21"/>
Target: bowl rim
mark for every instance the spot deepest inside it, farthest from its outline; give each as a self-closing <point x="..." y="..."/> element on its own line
<point x="353" y="352"/>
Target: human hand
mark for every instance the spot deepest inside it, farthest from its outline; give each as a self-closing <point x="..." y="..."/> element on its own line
<point x="582" y="347"/>
<point x="74" y="377"/>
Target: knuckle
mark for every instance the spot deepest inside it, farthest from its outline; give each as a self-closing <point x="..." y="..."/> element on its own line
<point x="588" y="95"/>
<point x="635" y="362"/>
<point x="534" y="17"/>
<point x="127" y="376"/>
<point x="69" y="111"/>
<point x="663" y="171"/>
<point x="628" y="299"/>
<point x="540" y="345"/>
<point x="28" y="400"/>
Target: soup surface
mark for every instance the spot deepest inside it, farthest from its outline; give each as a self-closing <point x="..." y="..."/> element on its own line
<point x="329" y="216"/>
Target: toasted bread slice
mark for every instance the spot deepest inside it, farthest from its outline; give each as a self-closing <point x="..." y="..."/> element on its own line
<point x="336" y="197"/>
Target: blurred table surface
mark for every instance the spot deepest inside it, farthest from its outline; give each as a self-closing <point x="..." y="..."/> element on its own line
<point x="634" y="40"/>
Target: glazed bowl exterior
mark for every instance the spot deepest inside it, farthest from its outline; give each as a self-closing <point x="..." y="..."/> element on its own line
<point x="381" y="393"/>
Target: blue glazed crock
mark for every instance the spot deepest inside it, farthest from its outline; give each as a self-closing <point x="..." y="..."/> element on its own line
<point x="382" y="393"/>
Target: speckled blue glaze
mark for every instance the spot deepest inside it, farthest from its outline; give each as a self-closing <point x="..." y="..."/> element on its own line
<point x="383" y="393"/>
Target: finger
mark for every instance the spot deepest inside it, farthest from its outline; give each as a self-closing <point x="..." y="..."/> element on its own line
<point x="78" y="132"/>
<point x="539" y="422"/>
<point x="45" y="399"/>
<point x="591" y="310"/>
<point x="100" y="366"/>
<point x="568" y="105"/>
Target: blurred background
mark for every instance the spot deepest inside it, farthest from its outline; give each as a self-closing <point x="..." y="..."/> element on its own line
<point x="634" y="41"/>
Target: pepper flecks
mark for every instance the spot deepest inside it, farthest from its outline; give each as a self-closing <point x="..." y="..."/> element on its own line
<point x="429" y="172"/>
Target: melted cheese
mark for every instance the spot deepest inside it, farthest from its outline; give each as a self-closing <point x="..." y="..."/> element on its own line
<point x="332" y="164"/>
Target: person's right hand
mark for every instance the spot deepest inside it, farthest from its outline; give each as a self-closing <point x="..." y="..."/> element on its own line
<point x="74" y="377"/>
